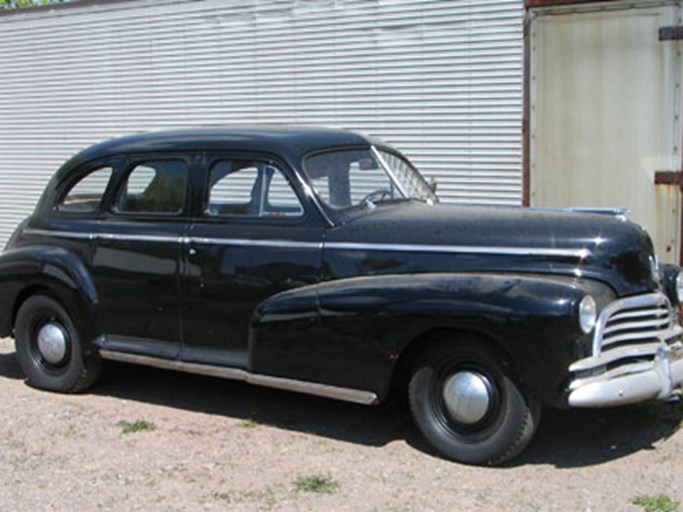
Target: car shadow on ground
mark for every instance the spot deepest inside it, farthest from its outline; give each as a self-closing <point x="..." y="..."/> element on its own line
<point x="584" y="437"/>
<point x="9" y="368"/>
<point x="565" y="439"/>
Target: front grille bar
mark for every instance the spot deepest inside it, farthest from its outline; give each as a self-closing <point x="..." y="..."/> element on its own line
<point x="654" y="306"/>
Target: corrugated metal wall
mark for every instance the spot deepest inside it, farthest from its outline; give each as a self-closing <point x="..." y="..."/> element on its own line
<point x="440" y="80"/>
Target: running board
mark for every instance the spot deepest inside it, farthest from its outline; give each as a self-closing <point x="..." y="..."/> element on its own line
<point x="310" y="388"/>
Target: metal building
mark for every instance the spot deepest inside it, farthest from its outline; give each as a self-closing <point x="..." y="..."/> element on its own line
<point x="604" y="110"/>
<point x="440" y="80"/>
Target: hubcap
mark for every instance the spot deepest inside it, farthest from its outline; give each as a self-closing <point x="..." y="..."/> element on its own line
<point x="52" y="342"/>
<point x="467" y="396"/>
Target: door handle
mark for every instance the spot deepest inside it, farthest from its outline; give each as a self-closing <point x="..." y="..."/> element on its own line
<point x="192" y="251"/>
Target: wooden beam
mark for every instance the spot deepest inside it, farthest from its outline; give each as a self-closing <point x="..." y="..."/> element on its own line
<point x="669" y="178"/>
<point x="526" y="115"/>
<point x="670" y="33"/>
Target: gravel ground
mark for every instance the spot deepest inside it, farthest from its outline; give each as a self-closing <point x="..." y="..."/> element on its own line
<point x="208" y="444"/>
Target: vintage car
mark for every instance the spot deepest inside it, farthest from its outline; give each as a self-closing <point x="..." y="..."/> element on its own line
<point x="320" y="261"/>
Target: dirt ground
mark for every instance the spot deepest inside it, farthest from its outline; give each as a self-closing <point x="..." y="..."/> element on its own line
<point x="209" y="444"/>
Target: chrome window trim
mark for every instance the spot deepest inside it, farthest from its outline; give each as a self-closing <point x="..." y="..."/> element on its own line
<point x="313" y="198"/>
<point x="389" y="171"/>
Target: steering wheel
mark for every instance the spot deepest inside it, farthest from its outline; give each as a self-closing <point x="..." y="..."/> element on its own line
<point x="377" y="195"/>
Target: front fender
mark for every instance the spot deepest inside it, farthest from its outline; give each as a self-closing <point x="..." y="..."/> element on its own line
<point x="364" y="324"/>
<point x="57" y="270"/>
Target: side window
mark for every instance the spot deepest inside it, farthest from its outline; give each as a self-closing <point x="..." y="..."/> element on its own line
<point x="86" y="194"/>
<point x="251" y="189"/>
<point x="154" y="187"/>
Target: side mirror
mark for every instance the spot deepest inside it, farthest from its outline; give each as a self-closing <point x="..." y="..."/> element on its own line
<point x="433" y="185"/>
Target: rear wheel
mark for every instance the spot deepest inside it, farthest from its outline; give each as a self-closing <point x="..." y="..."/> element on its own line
<point x="468" y="402"/>
<point x="49" y="347"/>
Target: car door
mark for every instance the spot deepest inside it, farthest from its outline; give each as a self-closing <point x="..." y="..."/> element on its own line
<point x="254" y="238"/>
<point x="136" y="256"/>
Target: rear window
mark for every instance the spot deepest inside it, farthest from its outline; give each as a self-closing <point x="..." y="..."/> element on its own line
<point x="87" y="193"/>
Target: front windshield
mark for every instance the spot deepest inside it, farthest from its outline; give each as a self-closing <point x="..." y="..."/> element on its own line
<point x="352" y="178"/>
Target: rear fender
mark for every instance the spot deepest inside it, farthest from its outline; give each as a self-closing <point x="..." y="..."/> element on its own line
<point x="53" y="270"/>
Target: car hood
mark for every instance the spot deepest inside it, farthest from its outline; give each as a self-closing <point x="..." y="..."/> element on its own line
<point x="416" y="237"/>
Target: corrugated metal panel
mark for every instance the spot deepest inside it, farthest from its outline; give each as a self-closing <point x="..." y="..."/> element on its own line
<point x="442" y="81"/>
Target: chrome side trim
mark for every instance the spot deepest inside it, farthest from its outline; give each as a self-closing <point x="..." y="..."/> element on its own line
<point x="285" y="244"/>
<point x="58" y="234"/>
<point x="311" y="388"/>
<point x="578" y="254"/>
<point x="243" y="242"/>
<point x="138" y="238"/>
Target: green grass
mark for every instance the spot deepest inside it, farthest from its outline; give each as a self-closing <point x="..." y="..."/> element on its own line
<point x="224" y="496"/>
<point x="659" y="503"/>
<point x="137" y="426"/>
<point x="248" y="424"/>
<point x="321" y="484"/>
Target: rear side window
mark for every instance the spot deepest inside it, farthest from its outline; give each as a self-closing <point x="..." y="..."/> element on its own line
<point x="154" y="187"/>
<point x="251" y="189"/>
<point x="87" y="193"/>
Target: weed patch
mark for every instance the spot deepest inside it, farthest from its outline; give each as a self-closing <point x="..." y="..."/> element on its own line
<point x="137" y="426"/>
<point x="321" y="484"/>
<point x="659" y="503"/>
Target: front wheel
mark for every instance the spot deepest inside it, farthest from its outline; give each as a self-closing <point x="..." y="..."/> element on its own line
<point x="468" y="403"/>
<point x="49" y="347"/>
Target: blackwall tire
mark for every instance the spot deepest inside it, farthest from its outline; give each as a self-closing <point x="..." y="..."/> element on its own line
<point x="50" y="349"/>
<point x="468" y="403"/>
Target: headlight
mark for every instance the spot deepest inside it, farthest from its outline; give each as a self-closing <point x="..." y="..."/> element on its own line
<point x="588" y="313"/>
<point x="679" y="287"/>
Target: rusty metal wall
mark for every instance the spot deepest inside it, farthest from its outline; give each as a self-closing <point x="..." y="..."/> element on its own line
<point x="605" y="105"/>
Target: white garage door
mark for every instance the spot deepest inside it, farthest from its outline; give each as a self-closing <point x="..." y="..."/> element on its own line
<point x="605" y="113"/>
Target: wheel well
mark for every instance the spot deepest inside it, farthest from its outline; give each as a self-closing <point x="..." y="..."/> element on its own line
<point x="25" y="295"/>
<point x="403" y="367"/>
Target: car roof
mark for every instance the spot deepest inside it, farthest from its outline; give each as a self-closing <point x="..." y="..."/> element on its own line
<point x="290" y="142"/>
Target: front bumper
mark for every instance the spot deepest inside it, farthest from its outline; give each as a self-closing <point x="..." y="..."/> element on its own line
<point x="637" y="355"/>
<point x="660" y="381"/>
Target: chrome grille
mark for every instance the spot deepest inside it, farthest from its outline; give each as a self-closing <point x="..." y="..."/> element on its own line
<point x="632" y="321"/>
<point x="628" y="336"/>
